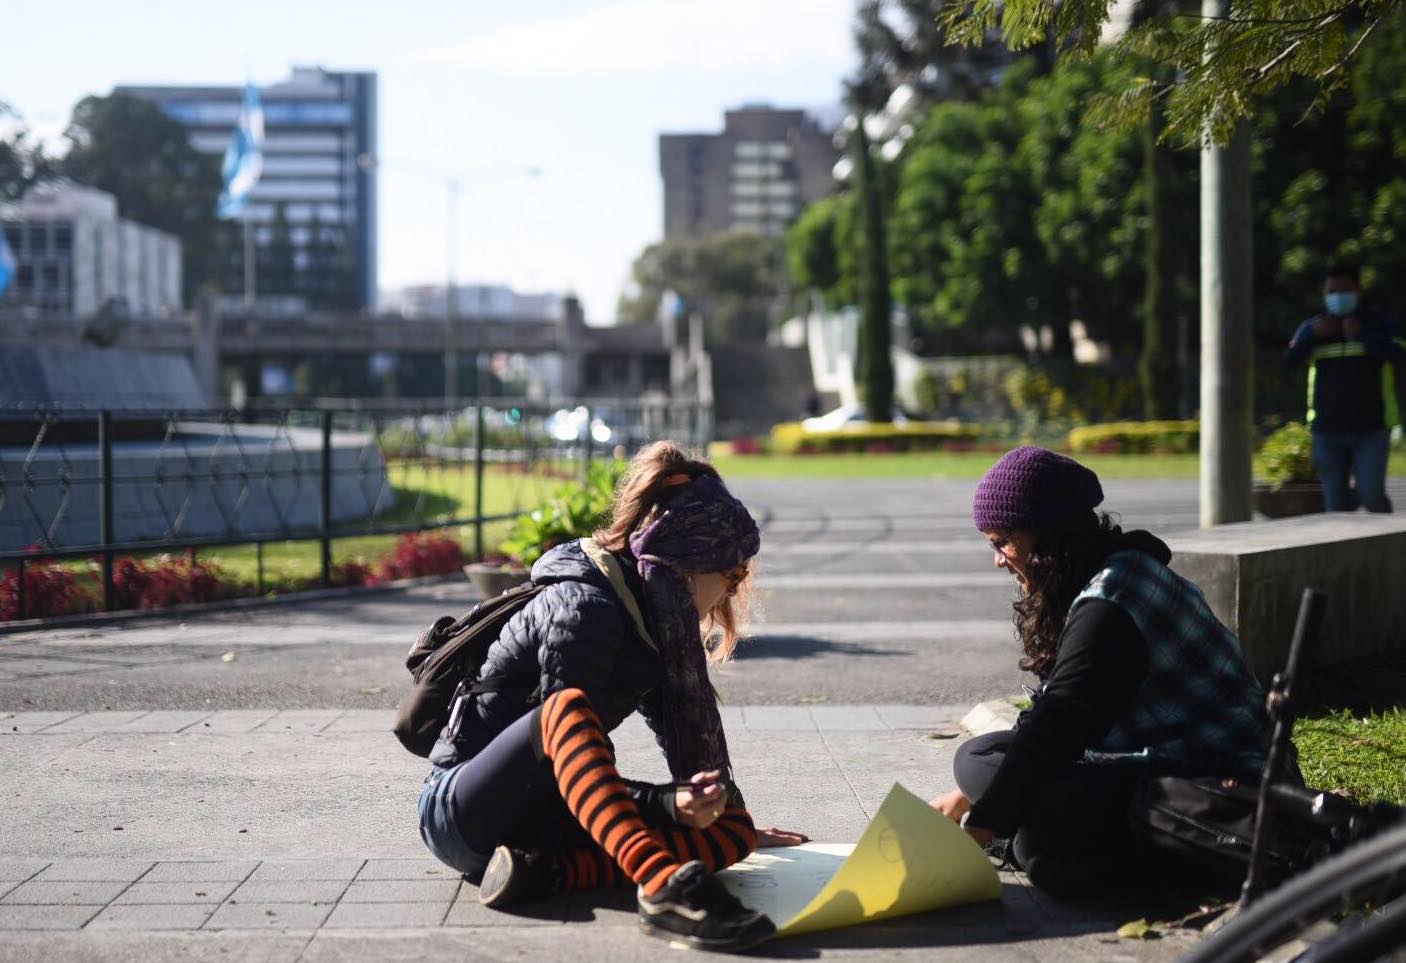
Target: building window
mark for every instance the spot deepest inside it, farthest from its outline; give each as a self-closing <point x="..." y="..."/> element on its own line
<point x="62" y="238"/>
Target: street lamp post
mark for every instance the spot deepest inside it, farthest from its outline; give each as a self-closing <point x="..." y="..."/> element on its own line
<point x="452" y="184"/>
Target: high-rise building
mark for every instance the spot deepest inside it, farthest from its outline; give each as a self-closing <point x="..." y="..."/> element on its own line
<point x="74" y="257"/>
<point x="758" y="174"/>
<point x="317" y="190"/>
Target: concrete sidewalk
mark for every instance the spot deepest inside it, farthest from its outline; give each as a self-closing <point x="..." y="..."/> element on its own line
<point x="261" y="835"/>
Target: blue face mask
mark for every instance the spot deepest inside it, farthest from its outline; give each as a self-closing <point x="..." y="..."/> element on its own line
<point x="1340" y="303"/>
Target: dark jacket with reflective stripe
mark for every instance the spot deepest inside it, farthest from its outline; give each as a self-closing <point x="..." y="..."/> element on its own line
<point x="1351" y="382"/>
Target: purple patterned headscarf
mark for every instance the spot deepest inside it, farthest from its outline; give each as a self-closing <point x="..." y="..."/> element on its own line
<point x="701" y="528"/>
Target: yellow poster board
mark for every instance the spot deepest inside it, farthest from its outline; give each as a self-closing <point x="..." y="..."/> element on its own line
<point x="910" y="859"/>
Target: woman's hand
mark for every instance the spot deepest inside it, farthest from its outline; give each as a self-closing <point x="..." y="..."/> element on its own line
<point x="699" y="804"/>
<point x="771" y="837"/>
<point x="954" y="805"/>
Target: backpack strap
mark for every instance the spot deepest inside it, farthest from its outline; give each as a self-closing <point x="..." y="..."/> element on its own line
<point x="609" y="566"/>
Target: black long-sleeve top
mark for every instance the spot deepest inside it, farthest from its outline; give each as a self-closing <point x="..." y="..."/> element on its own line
<point x="1100" y="663"/>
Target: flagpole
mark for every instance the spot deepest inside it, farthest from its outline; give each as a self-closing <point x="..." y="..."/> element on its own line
<point x="249" y="293"/>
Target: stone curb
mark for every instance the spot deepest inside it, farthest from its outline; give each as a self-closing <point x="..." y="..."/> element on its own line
<point x="993" y="716"/>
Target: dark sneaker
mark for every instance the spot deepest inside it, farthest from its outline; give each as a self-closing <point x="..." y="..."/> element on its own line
<point x="513" y="875"/>
<point x="694" y="908"/>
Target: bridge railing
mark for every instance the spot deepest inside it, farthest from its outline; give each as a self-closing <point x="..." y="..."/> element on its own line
<point x="291" y="495"/>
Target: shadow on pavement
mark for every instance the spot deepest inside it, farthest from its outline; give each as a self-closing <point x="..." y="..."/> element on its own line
<point x="803" y="647"/>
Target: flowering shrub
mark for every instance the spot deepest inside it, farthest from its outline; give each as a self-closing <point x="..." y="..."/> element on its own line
<point x="421" y="554"/>
<point x="1137" y="438"/>
<point x="165" y="580"/>
<point x="352" y="572"/>
<point x="791" y="438"/>
<point x="49" y="589"/>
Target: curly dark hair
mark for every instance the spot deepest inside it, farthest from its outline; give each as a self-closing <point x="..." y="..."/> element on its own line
<point x="1060" y="565"/>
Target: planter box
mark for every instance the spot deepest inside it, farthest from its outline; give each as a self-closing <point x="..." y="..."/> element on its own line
<point x="490" y="579"/>
<point x="1294" y="498"/>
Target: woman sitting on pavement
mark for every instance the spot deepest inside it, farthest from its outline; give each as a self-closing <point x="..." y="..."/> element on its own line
<point x="1138" y="678"/>
<point x="524" y="796"/>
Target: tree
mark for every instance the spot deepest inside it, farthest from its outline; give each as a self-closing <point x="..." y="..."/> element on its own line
<point x="734" y="281"/>
<point x="128" y="147"/>
<point x="23" y="162"/>
<point x="901" y="41"/>
<point x="1261" y="46"/>
<point x="875" y="362"/>
<point x="278" y="273"/>
<point x="820" y="249"/>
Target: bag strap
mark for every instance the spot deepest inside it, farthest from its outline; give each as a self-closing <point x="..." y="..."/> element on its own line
<point x="609" y="566"/>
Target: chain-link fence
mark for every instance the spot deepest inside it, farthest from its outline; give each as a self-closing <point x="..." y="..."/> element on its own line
<point x="273" y="489"/>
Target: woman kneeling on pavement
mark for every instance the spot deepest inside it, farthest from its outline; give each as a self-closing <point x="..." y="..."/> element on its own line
<point x="524" y="797"/>
<point x="1138" y="678"/>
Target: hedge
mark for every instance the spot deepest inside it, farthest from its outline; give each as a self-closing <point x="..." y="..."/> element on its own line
<point x="791" y="438"/>
<point x="1137" y="438"/>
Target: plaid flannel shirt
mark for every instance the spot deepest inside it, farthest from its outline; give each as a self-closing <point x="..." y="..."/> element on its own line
<point x="1199" y="711"/>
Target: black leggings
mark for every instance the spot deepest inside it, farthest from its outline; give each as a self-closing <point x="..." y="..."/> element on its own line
<point x="1076" y="839"/>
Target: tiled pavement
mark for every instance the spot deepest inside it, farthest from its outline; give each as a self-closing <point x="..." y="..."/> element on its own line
<point x="218" y="810"/>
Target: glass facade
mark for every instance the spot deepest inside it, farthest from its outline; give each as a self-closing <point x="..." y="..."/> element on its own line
<point x="317" y="125"/>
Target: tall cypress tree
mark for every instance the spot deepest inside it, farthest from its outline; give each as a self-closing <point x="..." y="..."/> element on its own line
<point x="875" y="362"/>
<point x="1158" y="368"/>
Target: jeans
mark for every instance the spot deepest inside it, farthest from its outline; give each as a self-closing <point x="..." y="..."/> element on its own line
<point x="1361" y="454"/>
<point x="439" y="829"/>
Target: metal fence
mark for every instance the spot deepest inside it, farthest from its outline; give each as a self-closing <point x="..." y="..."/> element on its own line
<point x="102" y="483"/>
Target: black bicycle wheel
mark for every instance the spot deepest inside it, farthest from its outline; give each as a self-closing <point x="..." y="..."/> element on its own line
<point x="1372" y="870"/>
<point x="1374" y="935"/>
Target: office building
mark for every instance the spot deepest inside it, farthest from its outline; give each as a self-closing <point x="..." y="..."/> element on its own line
<point x="75" y="258"/>
<point x="758" y="174"/>
<point x="495" y="301"/>
<point x="319" y="134"/>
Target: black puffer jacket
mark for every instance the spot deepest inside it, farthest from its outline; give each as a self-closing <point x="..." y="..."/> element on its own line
<point x="576" y="634"/>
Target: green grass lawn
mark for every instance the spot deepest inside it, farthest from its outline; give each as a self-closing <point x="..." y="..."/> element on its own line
<point x="420" y="493"/>
<point x="966" y="465"/>
<point x="1362" y="753"/>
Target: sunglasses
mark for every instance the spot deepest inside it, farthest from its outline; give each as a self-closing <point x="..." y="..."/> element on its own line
<point x="735" y="577"/>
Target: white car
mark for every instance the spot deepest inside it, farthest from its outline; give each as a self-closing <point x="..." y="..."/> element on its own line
<point x="846" y="415"/>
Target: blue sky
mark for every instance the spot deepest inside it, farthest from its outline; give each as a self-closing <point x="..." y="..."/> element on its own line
<point x="579" y="88"/>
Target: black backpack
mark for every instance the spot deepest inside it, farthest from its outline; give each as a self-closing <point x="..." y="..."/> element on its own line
<point x="1204" y="822"/>
<point x="445" y="657"/>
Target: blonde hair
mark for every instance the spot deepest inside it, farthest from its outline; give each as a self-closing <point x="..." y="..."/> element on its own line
<point x="655" y="469"/>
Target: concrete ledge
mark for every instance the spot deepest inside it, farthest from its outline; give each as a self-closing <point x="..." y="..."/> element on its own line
<point x="1254" y="573"/>
<point x="994" y="716"/>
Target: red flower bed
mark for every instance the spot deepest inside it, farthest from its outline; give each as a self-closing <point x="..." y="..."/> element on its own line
<point x="165" y="580"/>
<point x="421" y="554"/>
<point x="49" y="589"/>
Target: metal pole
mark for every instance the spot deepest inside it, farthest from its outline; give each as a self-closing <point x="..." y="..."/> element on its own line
<point x="1227" y="358"/>
<point x="249" y="274"/>
<point x="258" y="568"/>
<point x="105" y="527"/>
<point x="19" y="591"/>
<point x="325" y="535"/>
<point x="478" y="483"/>
<point x="586" y="449"/>
<point x="451" y="301"/>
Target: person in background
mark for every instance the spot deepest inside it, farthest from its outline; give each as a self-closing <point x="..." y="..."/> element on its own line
<point x="1351" y="350"/>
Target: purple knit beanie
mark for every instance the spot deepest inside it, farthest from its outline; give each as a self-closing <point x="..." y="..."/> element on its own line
<point x="1035" y="489"/>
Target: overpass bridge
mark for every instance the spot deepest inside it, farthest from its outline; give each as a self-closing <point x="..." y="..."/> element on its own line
<point x="372" y="356"/>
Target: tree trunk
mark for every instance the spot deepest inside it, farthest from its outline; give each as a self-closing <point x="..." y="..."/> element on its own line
<point x="875" y="362"/>
<point x="1158" y="367"/>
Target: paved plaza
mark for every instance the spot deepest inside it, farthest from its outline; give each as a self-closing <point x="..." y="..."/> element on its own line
<point x="225" y="786"/>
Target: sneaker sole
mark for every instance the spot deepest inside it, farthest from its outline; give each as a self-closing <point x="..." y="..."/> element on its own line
<point x="495" y="888"/>
<point x="736" y="944"/>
